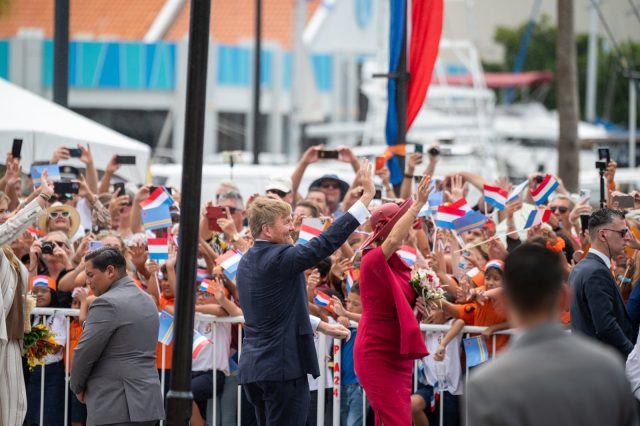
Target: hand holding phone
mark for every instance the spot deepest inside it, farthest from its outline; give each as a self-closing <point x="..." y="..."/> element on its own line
<point x="118" y="188"/>
<point x="16" y="149"/>
<point x="125" y="159"/>
<point x="623" y="201"/>
<point x="66" y="187"/>
<point x="74" y="152"/>
<point x="328" y="154"/>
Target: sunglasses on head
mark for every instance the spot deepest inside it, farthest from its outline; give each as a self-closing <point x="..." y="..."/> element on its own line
<point x="561" y="209"/>
<point x="55" y="215"/>
<point x="277" y="192"/>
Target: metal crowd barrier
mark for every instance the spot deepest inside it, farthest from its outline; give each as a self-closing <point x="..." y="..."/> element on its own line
<point x="322" y="356"/>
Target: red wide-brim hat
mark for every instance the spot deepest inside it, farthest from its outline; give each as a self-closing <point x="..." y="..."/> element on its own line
<point x="391" y="213"/>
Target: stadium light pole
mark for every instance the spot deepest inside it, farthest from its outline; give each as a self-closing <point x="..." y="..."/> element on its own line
<point x="61" y="53"/>
<point x="179" y="397"/>
<point x="257" y="62"/>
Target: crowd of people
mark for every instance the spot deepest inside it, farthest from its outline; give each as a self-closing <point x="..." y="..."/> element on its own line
<point x="51" y="250"/>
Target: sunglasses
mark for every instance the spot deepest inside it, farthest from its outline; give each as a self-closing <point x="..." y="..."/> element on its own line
<point x="277" y="192"/>
<point x="330" y="185"/>
<point x="560" y="209"/>
<point x="621" y="232"/>
<point x="55" y="215"/>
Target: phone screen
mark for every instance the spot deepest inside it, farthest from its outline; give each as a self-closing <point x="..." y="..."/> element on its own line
<point x="119" y="188"/>
<point x="74" y="152"/>
<point x="126" y="159"/>
<point x="66" y="187"/>
<point x="328" y="154"/>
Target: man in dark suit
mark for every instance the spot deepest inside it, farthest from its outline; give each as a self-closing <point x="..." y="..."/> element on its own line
<point x="547" y="376"/>
<point x="597" y="308"/>
<point x="278" y="350"/>
<point x="114" y="363"/>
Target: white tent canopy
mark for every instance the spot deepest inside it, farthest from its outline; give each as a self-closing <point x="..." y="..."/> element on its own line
<point x="45" y="126"/>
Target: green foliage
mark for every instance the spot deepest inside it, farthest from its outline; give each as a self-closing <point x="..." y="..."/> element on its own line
<point x="612" y="87"/>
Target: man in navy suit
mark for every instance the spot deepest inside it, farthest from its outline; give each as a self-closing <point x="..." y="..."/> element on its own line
<point x="278" y="350"/>
<point x="597" y="308"/>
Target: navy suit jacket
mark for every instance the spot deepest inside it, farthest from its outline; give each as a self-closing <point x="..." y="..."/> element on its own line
<point x="597" y="308"/>
<point x="278" y="341"/>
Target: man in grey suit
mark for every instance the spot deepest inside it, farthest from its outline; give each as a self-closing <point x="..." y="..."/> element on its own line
<point x="547" y="376"/>
<point x="114" y="364"/>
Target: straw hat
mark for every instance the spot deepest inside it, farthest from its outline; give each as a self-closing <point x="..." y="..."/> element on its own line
<point x="74" y="218"/>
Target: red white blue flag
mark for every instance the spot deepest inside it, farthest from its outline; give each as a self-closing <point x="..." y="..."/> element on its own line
<point x="322" y="299"/>
<point x="408" y="254"/>
<point x="310" y="228"/>
<point x="158" y="248"/>
<point x="199" y="342"/>
<point x="447" y="214"/>
<point x="229" y="262"/>
<point x="495" y="196"/>
<point x="544" y="190"/>
<point x="157" y="198"/>
<point x="536" y="217"/>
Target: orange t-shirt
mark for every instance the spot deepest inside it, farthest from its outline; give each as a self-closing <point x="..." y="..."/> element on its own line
<point x="162" y="303"/>
<point x="485" y="315"/>
<point x="75" y="331"/>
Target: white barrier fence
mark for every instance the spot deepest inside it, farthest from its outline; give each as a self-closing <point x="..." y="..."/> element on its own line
<point x="322" y="357"/>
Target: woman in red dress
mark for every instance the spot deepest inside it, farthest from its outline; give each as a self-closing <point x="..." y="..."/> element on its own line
<point x="389" y="337"/>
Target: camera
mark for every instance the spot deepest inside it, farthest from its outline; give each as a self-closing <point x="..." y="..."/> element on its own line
<point x="47" y="248"/>
<point x="434" y="152"/>
<point x="601" y="165"/>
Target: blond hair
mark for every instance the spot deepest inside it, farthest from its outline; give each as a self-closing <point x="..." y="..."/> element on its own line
<point x="265" y="211"/>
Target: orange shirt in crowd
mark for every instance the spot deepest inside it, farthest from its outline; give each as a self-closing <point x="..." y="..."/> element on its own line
<point x="484" y="315"/>
<point x="163" y="302"/>
<point x="75" y="331"/>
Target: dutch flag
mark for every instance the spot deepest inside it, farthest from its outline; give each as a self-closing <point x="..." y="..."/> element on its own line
<point x="157" y="198"/>
<point x="351" y="279"/>
<point x="199" y="342"/>
<point x="495" y="196"/>
<point x="408" y="254"/>
<point x="321" y="299"/>
<point x="201" y="274"/>
<point x="158" y="248"/>
<point x="537" y="217"/>
<point x="310" y="228"/>
<point x="447" y="214"/>
<point x="206" y="285"/>
<point x="229" y="262"/>
<point x="546" y="188"/>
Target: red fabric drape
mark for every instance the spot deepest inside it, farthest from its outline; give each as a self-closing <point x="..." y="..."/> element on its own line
<point x="426" y="30"/>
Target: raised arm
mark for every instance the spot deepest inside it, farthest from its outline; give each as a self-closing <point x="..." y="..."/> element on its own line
<point x="399" y="232"/>
<point x="309" y="156"/>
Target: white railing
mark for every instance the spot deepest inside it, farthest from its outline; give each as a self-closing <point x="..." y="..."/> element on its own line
<point x="322" y="356"/>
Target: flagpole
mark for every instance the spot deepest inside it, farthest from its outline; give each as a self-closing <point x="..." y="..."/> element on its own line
<point x="490" y="239"/>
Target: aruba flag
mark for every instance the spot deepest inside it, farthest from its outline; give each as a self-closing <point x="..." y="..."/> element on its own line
<point x="476" y="350"/>
<point x="156" y="218"/>
<point x="165" y="331"/>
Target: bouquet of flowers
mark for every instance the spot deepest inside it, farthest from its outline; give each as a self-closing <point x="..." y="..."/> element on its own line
<point x="38" y="343"/>
<point x="426" y="284"/>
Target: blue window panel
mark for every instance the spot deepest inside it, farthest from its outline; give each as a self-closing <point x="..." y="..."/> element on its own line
<point x="132" y="66"/>
<point x="323" y="72"/>
<point x="266" y="58"/>
<point x="288" y="66"/>
<point x="47" y="63"/>
<point x="89" y="60"/>
<point x="233" y="66"/>
<point x="4" y="59"/>
<point x="108" y="70"/>
<point x="160" y="66"/>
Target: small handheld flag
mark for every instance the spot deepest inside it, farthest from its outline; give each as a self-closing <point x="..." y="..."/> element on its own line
<point x="53" y="171"/>
<point x="157" y="198"/>
<point x="165" y="331"/>
<point x="229" y="262"/>
<point x="201" y="274"/>
<point x="408" y="254"/>
<point x="158" y="248"/>
<point x="476" y="350"/>
<point x="515" y="192"/>
<point x="323" y="300"/>
<point x="156" y="218"/>
<point x="447" y="214"/>
<point x="536" y="217"/>
<point x="544" y="190"/>
<point x="352" y="276"/>
<point x="495" y="196"/>
<point x="310" y="228"/>
<point x="472" y="220"/>
<point x="435" y="199"/>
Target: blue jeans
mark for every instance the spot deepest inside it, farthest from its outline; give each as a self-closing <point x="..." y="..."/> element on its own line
<point x="351" y="405"/>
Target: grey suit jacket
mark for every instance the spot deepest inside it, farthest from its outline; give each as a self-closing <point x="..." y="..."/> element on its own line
<point x="115" y="359"/>
<point x="549" y="377"/>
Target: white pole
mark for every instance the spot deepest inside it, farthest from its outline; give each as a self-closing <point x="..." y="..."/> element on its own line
<point x="632" y="123"/>
<point x="322" y="351"/>
<point x="66" y="371"/>
<point x="337" y="381"/>
<point x="214" y="420"/>
<point x="162" y="372"/>
<point x="239" y="412"/>
<point x="592" y="63"/>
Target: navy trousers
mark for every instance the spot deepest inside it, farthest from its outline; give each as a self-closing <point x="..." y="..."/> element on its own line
<point x="279" y="403"/>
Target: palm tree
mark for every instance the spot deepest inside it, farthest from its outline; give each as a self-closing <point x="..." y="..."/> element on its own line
<point x="567" y="97"/>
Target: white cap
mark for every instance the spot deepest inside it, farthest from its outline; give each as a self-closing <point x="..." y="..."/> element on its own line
<point x="279" y="183"/>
